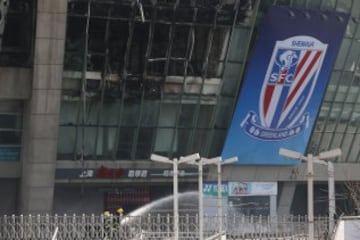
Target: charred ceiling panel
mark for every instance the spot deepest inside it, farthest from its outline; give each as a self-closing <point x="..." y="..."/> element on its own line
<point x="17" y="27"/>
<point x="149" y="47"/>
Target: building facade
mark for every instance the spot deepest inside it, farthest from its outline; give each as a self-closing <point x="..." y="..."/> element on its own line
<point x="90" y="89"/>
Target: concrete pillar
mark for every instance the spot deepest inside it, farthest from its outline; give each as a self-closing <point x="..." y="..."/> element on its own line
<point x="41" y="114"/>
<point x="286" y="198"/>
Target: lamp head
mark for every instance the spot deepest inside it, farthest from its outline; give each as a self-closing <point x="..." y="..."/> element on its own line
<point x="290" y="154"/>
<point x="229" y="160"/>
<point x="330" y="154"/>
<point x="214" y="160"/>
<point x="189" y="158"/>
<point x="158" y="158"/>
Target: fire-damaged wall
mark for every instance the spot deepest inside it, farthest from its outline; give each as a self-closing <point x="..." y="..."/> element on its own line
<point x="137" y="74"/>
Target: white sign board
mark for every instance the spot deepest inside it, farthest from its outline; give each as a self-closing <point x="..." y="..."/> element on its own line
<point x="252" y="188"/>
<point x="348" y="228"/>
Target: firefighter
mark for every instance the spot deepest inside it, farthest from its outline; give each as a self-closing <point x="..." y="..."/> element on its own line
<point x="108" y="224"/>
<point x="120" y="212"/>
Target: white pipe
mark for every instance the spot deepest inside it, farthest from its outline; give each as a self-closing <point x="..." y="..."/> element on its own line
<point x="219" y="196"/>
<point x="176" y="200"/>
<point x="310" y="189"/>
<point x="201" y="201"/>
<point x="332" y="203"/>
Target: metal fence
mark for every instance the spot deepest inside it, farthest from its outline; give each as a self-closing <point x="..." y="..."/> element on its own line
<point x="154" y="227"/>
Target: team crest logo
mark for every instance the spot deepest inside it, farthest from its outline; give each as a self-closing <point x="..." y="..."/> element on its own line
<point x="288" y="85"/>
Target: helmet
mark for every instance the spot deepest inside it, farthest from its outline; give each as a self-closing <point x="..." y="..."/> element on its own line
<point x="106" y="214"/>
<point x="120" y="211"/>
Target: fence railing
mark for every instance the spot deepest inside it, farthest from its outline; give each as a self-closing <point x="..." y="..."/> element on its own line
<point x="158" y="226"/>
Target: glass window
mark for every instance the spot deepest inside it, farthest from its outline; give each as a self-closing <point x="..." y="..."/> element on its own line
<point x="351" y="28"/>
<point x="232" y="76"/>
<point x="150" y="112"/>
<point x="74" y="47"/>
<point x="344" y="5"/>
<point x="325" y="141"/>
<point x="354" y="120"/>
<point x="110" y="113"/>
<point x="69" y="113"/>
<point x="168" y="113"/>
<point x="217" y="142"/>
<point x="166" y="141"/>
<point x="345" y="117"/>
<point x="137" y="50"/>
<point x="353" y="152"/>
<point x="126" y="136"/>
<point x="86" y="140"/>
<point x="319" y="126"/>
<point x="299" y="3"/>
<point x="238" y="45"/>
<point x="206" y="113"/>
<point x="187" y="115"/>
<point x="332" y="86"/>
<point x="355" y="12"/>
<point x="224" y="115"/>
<point x="66" y="142"/>
<point x="160" y="40"/>
<point x="144" y="143"/>
<point x="16" y="42"/>
<point x="343" y="53"/>
<point x="181" y="39"/>
<point x="313" y="145"/>
<point x="357" y="33"/>
<point x="10" y="136"/>
<point x="327" y="5"/>
<point x="345" y="144"/>
<point x="131" y="113"/>
<point x="353" y="57"/>
<point x="10" y="121"/>
<point x="105" y="142"/>
<point x="314" y="4"/>
<point x="201" y="141"/>
<point x="184" y="143"/>
<point x="335" y="112"/>
<point x="336" y="140"/>
<point x="283" y="2"/>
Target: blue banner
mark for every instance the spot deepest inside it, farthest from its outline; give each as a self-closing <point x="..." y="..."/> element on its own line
<point x="281" y="93"/>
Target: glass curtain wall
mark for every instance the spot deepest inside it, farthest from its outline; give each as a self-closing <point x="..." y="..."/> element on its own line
<point x="163" y="77"/>
<point x="151" y="77"/>
<point x="338" y="122"/>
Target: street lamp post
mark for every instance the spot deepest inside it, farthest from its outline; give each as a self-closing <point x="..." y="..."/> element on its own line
<point x="175" y="162"/>
<point x="200" y="163"/>
<point x="310" y="159"/>
<point x="331" y="192"/>
<point x="205" y="161"/>
<point x="219" y="165"/>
